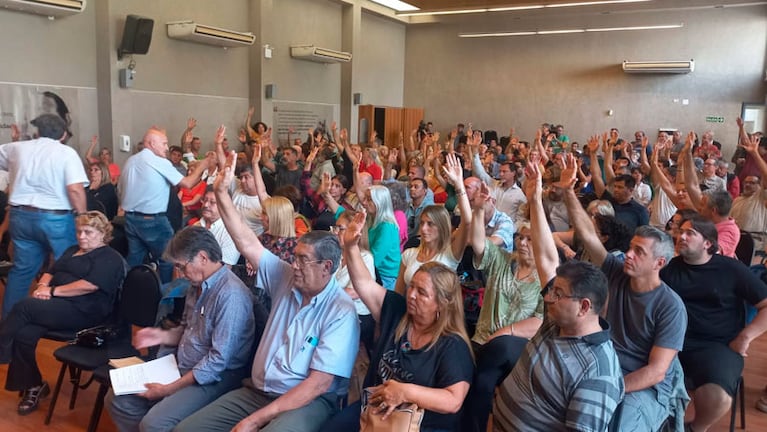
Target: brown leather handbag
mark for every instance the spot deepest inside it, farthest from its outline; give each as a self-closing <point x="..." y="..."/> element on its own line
<point x="405" y="418"/>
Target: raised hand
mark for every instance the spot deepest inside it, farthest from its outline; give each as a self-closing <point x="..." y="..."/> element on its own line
<point x="353" y="231"/>
<point x="256" y="158"/>
<point x="593" y="144"/>
<point x="324" y="184"/>
<point x="689" y="141"/>
<point x="220" y="135"/>
<point x="569" y="174"/>
<point x="191" y="123"/>
<point x="393" y="156"/>
<point x="739" y="122"/>
<point x="645" y="142"/>
<point x="188" y="137"/>
<point x="533" y="183"/>
<point x="224" y="179"/>
<point x="15" y="132"/>
<point x="251" y="111"/>
<point x="242" y="136"/>
<point x="453" y="170"/>
<point x="312" y="155"/>
<point x="751" y="145"/>
<point x="333" y="126"/>
<point x="95" y="140"/>
<point x="343" y="135"/>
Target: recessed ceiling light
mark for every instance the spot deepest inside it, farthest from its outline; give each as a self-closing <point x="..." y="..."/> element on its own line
<point x="566" y="31"/>
<point x="397" y="5"/>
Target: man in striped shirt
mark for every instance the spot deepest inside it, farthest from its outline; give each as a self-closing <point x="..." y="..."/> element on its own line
<point x="569" y="377"/>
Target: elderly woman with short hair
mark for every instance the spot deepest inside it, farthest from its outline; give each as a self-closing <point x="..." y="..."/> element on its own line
<point x="78" y="291"/>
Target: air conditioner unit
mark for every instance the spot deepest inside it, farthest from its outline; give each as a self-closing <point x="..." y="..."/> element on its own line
<point x="49" y="8"/>
<point x="319" y="55"/>
<point x="659" y="67"/>
<point x="209" y="35"/>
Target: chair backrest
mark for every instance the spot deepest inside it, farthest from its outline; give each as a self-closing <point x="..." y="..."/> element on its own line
<point x="745" y="248"/>
<point x="140" y="296"/>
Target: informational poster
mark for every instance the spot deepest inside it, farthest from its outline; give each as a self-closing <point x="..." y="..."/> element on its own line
<point x="21" y="103"/>
<point x="301" y="116"/>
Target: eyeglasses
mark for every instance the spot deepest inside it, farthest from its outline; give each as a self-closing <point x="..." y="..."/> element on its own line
<point x="302" y="261"/>
<point x="337" y="229"/>
<point x="556" y="296"/>
<point x="182" y="267"/>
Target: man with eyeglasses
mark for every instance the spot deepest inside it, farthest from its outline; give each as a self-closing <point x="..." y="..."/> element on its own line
<point x="647" y="318"/>
<point x="212" y="345"/>
<point x="571" y="358"/>
<point x="303" y="365"/>
<point x="750" y="209"/>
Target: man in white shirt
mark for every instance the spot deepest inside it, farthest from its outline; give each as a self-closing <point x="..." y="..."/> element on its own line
<point x="46" y="181"/>
<point x="211" y="219"/>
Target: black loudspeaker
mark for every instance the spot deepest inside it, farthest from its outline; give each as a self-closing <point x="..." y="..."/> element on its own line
<point x="137" y="36"/>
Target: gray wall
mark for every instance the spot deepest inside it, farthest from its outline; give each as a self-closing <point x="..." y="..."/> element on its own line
<point x="382" y="61"/>
<point x="575" y="79"/>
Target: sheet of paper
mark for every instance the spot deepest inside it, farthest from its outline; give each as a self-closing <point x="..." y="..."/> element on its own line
<point x="132" y="379"/>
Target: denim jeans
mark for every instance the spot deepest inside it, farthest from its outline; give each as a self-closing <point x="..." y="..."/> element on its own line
<point x="34" y="235"/>
<point x="149" y="234"/>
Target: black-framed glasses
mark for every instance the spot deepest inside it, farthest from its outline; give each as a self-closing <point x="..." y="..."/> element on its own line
<point x="556" y="296"/>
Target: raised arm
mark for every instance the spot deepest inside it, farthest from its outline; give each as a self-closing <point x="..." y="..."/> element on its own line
<point x="244" y="238"/>
<point x="609" y="172"/>
<point x="690" y="176"/>
<point x="644" y="163"/>
<point x="752" y="148"/>
<point x="89" y="154"/>
<point x="544" y="249"/>
<point x="454" y="174"/>
<point x="371" y="294"/>
<point x="257" y="176"/>
<point x="581" y="221"/>
<point x="186" y="136"/>
<point x="596" y="172"/>
<point x="324" y="192"/>
<point x="218" y="142"/>
<point x="477" y="226"/>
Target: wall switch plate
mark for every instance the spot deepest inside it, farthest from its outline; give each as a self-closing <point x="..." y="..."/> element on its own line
<point x="125" y="143"/>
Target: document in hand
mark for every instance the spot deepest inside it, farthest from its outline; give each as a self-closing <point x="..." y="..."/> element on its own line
<point x="132" y="379"/>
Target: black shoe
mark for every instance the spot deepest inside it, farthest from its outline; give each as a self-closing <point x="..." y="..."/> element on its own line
<point x="32" y="397"/>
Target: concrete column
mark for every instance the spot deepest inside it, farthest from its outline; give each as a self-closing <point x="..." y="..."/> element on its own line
<point x="350" y="42"/>
<point x="260" y="75"/>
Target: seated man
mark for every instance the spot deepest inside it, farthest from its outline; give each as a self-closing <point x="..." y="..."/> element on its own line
<point x="310" y="341"/>
<point x="211" y="220"/>
<point x="571" y="352"/>
<point x="647" y="318"/>
<point x="212" y="345"/>
<point x="714" y="289"/>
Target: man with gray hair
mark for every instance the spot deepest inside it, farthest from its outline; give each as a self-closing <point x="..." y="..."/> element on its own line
<point x="213" y="344"/>
<point x="46" y="182"/>
<point x="648" y="319"/>
<point x="310" y="341"/>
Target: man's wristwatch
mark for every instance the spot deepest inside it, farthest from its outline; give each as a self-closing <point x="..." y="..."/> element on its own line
<point x="53" y="288"/>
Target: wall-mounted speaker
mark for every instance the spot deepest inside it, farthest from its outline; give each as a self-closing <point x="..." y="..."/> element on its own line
<point x="137" y="36"/>
<point x="357" y="98"/>
<point x="270" y="91"/>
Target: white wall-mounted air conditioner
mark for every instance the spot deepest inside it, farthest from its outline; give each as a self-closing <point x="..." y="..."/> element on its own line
<point x="319" y="55"/>
<point x="209" y="35"/>
<point x="49" y="8"/>
<point x="659" y="67"/>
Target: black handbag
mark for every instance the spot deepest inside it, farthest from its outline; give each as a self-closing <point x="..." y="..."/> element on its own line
<point x="96" y="337"/>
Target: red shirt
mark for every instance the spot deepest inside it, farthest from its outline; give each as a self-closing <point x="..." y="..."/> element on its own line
<point x="372" y="169"/>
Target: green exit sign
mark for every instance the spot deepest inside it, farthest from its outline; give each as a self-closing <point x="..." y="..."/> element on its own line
<point x="714" y="119"/>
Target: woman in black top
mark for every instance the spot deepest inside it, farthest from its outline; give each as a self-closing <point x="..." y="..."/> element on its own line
<point x="102" y="195"/>
<point x="423" y="354"/>
<point x="77" y="292"/>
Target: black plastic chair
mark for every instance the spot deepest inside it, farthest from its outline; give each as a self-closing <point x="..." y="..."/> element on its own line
<point x="740" y="393"/>
<point x="745" y="248"/>
<point x="137" y="306"/>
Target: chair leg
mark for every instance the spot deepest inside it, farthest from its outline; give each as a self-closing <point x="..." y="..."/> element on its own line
<point x="742" y="404"/>
<point x="734" y="408"/>
<point x="97" y="407"/>
<point x="75" y="387"/>
<point x="56" y="391"/>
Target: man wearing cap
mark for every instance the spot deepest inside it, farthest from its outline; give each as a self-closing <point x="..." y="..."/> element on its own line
<point x="145" y="189"/>
<point x="46" y="180"/>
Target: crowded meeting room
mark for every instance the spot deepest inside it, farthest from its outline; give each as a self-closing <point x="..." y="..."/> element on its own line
<point x="383" y="215"/>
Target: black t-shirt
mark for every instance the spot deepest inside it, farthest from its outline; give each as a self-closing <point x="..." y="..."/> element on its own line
<point x="632" y="214"/>
<point x="102" y="267"/>
<point x="445" y="364"/>
<point x="714" y="294"/>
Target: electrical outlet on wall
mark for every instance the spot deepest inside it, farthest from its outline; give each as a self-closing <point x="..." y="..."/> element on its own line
<point x="125" y="143"/>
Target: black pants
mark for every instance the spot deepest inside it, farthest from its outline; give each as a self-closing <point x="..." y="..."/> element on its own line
<point x="367" y="333"/>
<point x="27" y="322"/>
<point x="495" y="360"/>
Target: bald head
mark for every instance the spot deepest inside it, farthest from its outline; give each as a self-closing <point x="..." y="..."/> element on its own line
<point x="156" y="140"/>
<point x="366" y="179"/>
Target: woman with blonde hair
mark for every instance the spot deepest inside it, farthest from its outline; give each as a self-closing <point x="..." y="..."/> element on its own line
<point x="438" y="242"/>
<point x="422" y="355"/>
<point x="101" y="193"/>
<point x="279" y="235"/>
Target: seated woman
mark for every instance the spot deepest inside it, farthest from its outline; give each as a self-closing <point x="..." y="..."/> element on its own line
<point x="438" y="242"/>
<point x="423" y="354"/>
<point x="367" y="325"/>
<point x="279" y="235"/>
<point x="383" y="234"/>
<point x="191" y="198"/>
<point x="101" y="193"/>
<point x="78" y="292"/>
